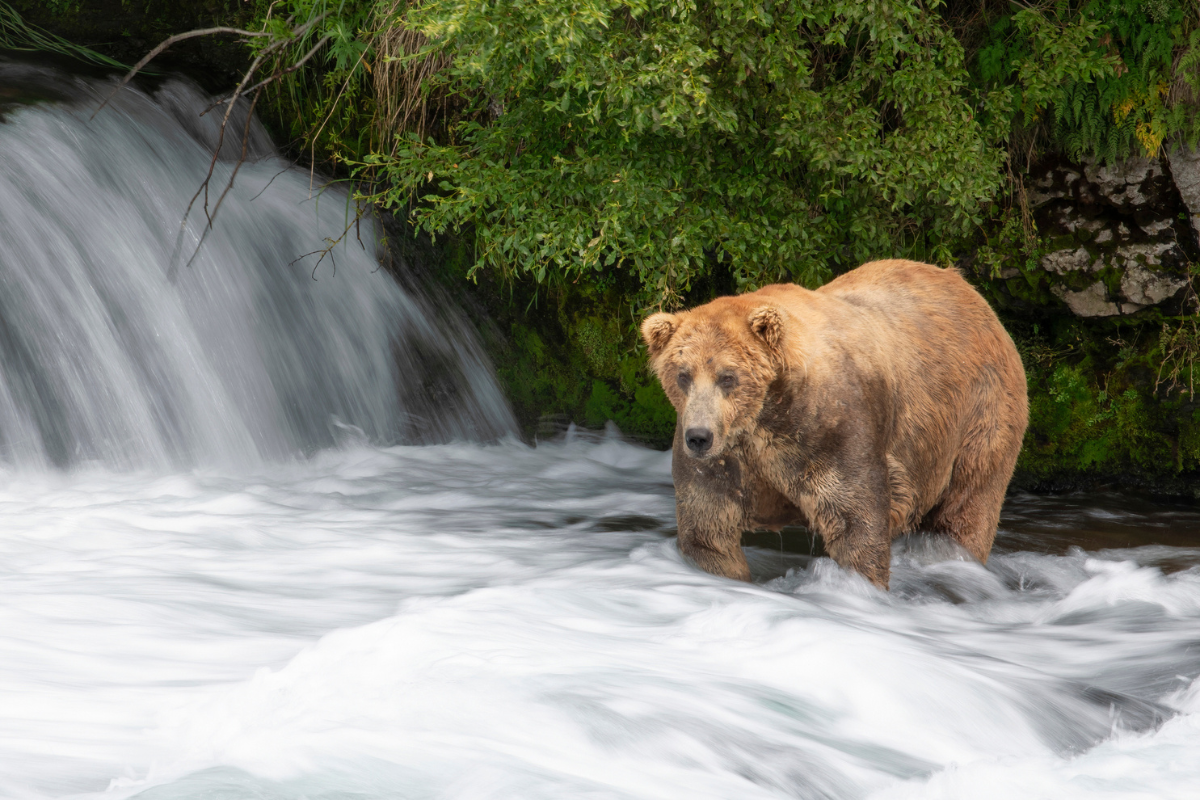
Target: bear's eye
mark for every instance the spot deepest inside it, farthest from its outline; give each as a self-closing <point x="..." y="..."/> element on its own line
<point x="684" y="380"/>
<point x="727" y="381"/>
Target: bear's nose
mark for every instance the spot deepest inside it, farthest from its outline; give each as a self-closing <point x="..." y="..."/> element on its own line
<point x="698" y="440"/>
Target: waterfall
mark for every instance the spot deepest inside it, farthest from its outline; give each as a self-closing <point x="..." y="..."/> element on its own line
<point x="118" y="347"/>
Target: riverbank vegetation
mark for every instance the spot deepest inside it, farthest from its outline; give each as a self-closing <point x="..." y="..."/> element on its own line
<point x="573" y="165"/>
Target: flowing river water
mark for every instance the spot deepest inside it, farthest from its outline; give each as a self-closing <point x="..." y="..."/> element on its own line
<point x="265" y="536"/>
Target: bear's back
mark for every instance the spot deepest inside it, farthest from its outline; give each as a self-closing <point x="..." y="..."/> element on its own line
<point x="895" y="284"/>
<point x="927" y="308"/>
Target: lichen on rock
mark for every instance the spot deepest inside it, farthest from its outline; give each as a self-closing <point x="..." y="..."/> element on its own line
<point x="1090" y="302"/>
<point x="1134" y="182"/>
<point x="1147" y="288"/>
<point x="1061" y="262"/>
<point x="1114" y="233"/>
<point x="1185" y="172"/>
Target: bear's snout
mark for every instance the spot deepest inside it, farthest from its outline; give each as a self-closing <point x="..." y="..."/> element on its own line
<point x="699" y="440"/>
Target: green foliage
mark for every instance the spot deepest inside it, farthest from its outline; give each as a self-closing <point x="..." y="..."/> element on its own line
<point x="660" y="138"/>
<point x="1095" y="407"/>
<point x="1044" y="55"/>
<point x="1098" y="74"/>
<point x="1179" y="366"/>
<point x="1077" y="427"/>
<point x="326" y="108"/>
<point x="17" y="34"/>
<point x="1010" y="244"/>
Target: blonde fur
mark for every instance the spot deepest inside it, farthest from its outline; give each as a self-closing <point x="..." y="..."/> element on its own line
<point x="889" y="400"/>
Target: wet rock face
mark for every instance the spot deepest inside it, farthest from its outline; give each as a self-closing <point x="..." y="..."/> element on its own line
<point x="1120" y="233"/>
<point x="1185" y="171"/>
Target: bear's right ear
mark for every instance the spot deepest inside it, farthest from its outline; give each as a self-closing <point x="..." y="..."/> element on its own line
<point x="657" y="330"/>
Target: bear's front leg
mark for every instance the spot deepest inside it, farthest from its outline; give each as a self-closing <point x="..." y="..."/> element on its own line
<point x="710" y="508"/>
<point x="860" y="546"/>
<point x="852" y="519"/>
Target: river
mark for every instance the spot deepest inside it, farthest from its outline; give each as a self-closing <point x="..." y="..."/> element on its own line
<point x="246" y="550"/>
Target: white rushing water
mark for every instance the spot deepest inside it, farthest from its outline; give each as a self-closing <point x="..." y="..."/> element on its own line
<point x="233" y="567"/>
<point x="114" y="349"/>
<point x="465" y="621"/>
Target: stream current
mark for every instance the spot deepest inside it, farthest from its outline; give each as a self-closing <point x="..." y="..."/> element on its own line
<point x="227" y="571"/>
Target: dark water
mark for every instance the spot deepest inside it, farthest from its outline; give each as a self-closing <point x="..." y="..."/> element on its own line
<point x="1166" y="531"/>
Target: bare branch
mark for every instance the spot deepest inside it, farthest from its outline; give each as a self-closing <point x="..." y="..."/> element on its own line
<point x="277" y="75"/>
<point x="232" y="101"/>
<point x="232" y="176"/>
<point x="270" y="49"/>
<point x="331" y="244"/>
<point x="286" y="167"/>
<point x="276" y="43"/>
<point x="164" y="44"/>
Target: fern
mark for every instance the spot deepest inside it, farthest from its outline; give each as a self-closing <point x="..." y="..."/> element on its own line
<point x="1098" y="73"/>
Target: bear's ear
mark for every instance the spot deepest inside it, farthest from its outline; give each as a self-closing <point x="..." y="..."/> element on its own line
<point x="657" y="330"/>
<point x="767" y="324"/>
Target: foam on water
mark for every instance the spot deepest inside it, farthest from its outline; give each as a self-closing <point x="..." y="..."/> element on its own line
<point x="466" y="621"/>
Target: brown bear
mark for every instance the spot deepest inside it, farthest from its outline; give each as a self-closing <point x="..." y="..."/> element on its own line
<point x="888" y="400"/>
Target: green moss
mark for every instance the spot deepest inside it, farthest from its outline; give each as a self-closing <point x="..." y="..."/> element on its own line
<point x="647" y="415"/>
<point x="598" y="340"/>
<point x="1093" y="412"/>
<point x="567" y="355"/>
<point x="1188" y="455"/>
<point x="1061" y="242"/>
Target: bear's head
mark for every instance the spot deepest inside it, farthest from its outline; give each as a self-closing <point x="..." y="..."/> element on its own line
<point x="716" y="363"/>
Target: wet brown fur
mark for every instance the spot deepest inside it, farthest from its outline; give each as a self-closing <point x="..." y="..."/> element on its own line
<point x="889" y="400"/>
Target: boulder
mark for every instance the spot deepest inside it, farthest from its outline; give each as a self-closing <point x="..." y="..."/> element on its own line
<point x="1121" y="235"/>
<point x="1185" y="172"/>
<point x="1090" y="302"/>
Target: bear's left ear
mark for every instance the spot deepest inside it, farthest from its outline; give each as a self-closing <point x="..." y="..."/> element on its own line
<point x="767" y="324"/>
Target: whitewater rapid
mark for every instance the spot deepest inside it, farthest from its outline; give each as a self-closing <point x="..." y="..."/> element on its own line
<point x="467" y="621"/>
<point x="228" y="571"/>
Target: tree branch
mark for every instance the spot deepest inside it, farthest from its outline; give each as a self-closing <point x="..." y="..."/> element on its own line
<point x="271" y="48"/>
<point x="164" y="44"/>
